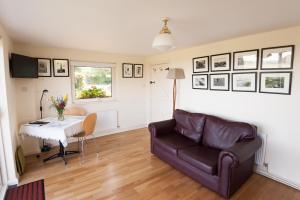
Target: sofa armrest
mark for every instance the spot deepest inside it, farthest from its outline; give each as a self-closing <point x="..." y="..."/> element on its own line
<point x="241" y="151"/>
<point x="161" y="127"/>
<point x="236" y="165"/>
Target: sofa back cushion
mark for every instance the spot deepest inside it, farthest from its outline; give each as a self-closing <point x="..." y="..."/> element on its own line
<point x="189" y="124"/>
<point x="222" y="134"/>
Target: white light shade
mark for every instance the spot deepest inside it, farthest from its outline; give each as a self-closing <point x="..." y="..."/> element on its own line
<point x="176" y="73"/>
<point x="163" y="42"/>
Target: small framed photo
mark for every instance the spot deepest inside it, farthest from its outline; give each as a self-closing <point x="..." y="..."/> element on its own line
<point x="276" y="82"/>
<point x="244" y="82"/>
<point x="201" y="64"/>
<point x="138" y="70"/>
<point x="245" y="60"/>
<point x="219" y="82"/>
<point x="44" y="67"/>
<point x="220" y="62"/>
<point x="200" y="81"/>
<point x="127" y="70"/>
<point x="61" y="67"/>
<point x="277" y="57"/>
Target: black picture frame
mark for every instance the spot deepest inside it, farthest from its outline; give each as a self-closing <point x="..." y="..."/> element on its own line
<point x="67" y="74"/>
<point x="278" y="47"/>
<point x="255" y="82"/>
<point x="202" y="57"/>
<point x="135" y="73"/>
<point x="251" y="50"/>
<point x="222" y="54"/>
<point x="277" y="72"/>
<point x="228" y="81"/>
<point x="50" y="67"/>
<point x="123" y="70"/>
<point x="207" y="82"/>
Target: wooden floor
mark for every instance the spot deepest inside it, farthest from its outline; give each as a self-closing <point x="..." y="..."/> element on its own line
<point x="127" y="170"/>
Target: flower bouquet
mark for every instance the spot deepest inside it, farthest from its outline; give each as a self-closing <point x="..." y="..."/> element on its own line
<point x="59" y="103"/>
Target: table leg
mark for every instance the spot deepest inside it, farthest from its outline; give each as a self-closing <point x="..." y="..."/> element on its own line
<point x="62" y="153"/>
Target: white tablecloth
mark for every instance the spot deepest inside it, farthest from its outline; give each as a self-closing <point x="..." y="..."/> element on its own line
<point x="55" y="130"/>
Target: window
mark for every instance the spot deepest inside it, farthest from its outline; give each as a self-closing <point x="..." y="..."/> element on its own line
<point x="92" y="81"/>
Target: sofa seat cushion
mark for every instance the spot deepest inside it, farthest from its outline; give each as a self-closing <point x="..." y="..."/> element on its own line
<point x="204" y="158"/>
<point x="172" y="142"/>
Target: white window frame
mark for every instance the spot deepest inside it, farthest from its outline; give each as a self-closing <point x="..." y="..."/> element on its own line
<point x="93" y="64"/>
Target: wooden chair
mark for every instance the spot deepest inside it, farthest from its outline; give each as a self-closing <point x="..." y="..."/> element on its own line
<point x="88" y="125"/>
<point x="76" y="111"/>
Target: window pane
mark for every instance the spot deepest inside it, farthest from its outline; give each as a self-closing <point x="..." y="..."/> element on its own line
<point x="93" y="82"/>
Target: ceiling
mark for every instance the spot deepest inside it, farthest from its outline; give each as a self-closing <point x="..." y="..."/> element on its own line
<point x="129" y="26"/>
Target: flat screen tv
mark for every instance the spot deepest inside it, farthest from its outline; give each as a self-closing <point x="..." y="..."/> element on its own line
<point x="23" y="66"/>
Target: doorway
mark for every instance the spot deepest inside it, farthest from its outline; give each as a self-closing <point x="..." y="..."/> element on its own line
<point x="161" y="93"/>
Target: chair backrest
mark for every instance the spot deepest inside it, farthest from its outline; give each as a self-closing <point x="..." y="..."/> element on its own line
<point x="77" y="111"/>
<point x="89" y="123"/>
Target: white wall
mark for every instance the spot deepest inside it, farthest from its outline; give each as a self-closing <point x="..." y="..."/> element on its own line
<point x="129" y="97"/>
<point x="7" y="108"/>
<point x="275" y="115"/>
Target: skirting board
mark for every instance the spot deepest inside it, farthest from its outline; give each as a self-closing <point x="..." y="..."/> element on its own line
<point x="277" y="178"/>
<point x="97" y="134"/>
<point x="12" y="182"/>
<point x="110" y="132"/>
<point x="120" y="130"/>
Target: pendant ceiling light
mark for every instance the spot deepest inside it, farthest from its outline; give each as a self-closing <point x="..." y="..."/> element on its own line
<point x="164" y="40"/>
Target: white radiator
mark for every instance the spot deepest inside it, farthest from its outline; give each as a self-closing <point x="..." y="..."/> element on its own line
<point x="261" y="153"/>
<point x="106" y="120"/>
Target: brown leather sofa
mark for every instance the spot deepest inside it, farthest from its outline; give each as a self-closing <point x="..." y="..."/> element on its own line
<point x="215" y="152"/>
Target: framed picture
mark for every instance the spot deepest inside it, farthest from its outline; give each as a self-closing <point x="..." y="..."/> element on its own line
<point x="138" y="70"/>
<point x="244" y="82"/>
<point x="276" y="82"/>
<point x="127" y="70"/>
<point x="277" y="57"/>
<point x="200" y="81"/>
<point x="219" y="82"/>
<point x="245" y="60"/>
<point x="61" y="67"/>
<point x="220" y="62"/>
<point x="44" y="67"/>
<point x="201" y="64"/>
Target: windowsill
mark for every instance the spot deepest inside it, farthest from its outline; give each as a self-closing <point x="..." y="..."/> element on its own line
<point x="94" y="100"/>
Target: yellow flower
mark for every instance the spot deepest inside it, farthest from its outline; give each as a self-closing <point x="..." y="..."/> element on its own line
<point x="66" y="98"/>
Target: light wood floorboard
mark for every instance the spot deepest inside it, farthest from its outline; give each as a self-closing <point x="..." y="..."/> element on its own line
<point x="127" y="170"/>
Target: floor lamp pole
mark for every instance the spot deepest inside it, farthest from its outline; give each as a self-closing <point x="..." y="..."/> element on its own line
<point x="175" y="73"/>
<point x="174" y="95"/>
<point x="45" y="147"/>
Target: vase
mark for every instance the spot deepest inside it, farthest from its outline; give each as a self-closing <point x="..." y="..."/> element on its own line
<point x="60" y="115"/>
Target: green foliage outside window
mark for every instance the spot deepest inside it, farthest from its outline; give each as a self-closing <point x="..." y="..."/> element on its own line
<point x="79" y="82"/>
<point x="92" y="82"/>
<point x="92" y="93"/>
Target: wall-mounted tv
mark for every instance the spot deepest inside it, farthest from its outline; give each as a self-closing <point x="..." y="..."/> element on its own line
<point x="23" y="66"/>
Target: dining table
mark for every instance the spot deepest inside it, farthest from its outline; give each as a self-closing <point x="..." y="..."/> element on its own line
<point x="54" y="129"/>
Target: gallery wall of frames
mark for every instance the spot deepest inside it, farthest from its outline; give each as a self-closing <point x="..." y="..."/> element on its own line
<point x="60" y="68"/>
<point x="267" y="70"/>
